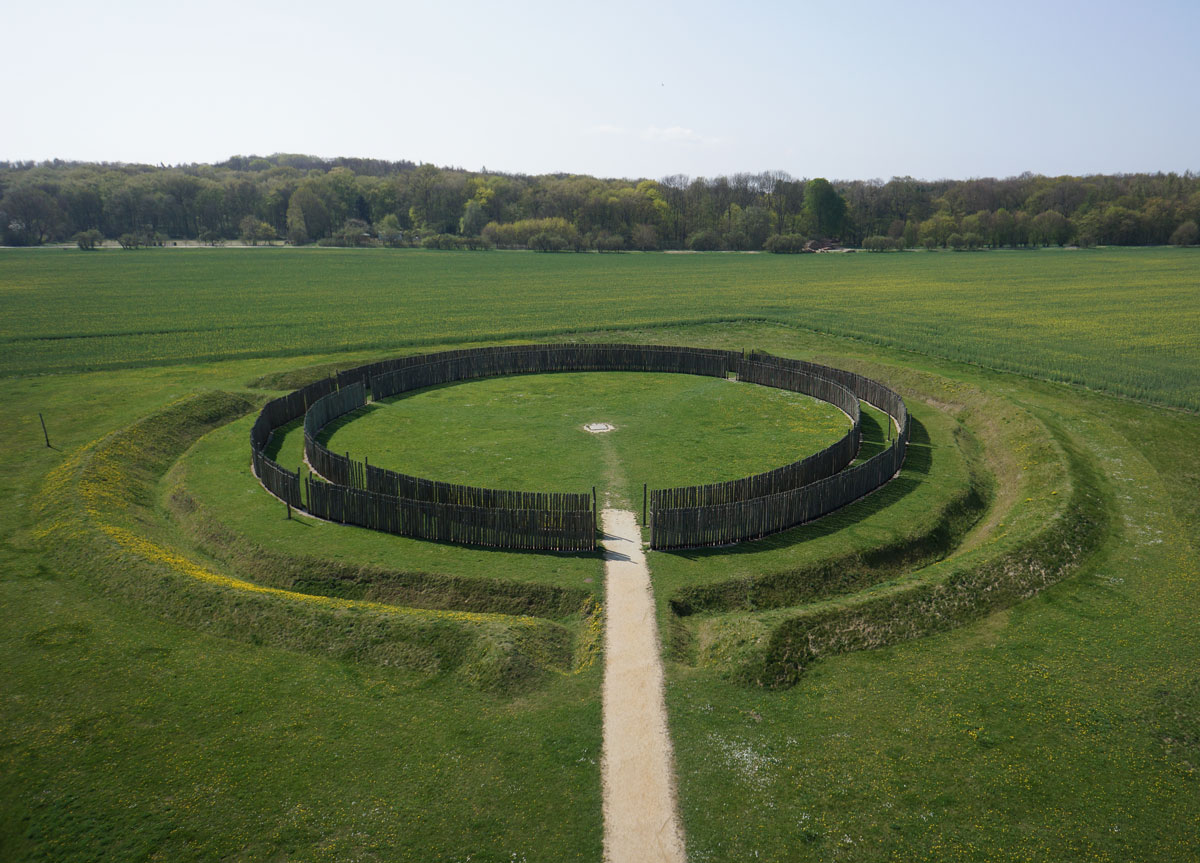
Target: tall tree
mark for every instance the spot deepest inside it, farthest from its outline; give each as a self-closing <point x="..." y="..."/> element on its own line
<point x="473" y="219"/>
<point x="308" y="216"/>
<point x="824" y="207"/>
<point x="30" y="216"/>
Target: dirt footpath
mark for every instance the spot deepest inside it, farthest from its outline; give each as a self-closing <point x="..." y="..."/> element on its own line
<point x="641" y="821"/>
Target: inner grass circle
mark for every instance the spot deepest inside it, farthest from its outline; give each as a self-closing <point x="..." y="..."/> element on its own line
<point x="523" y="432"/>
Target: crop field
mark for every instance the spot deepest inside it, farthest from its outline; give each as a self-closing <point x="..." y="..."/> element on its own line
<point x="993" y="657"/>
<point x="1120" y="320"/>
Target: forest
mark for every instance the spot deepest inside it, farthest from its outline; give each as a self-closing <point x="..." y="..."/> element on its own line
<point x="298" y="200"/>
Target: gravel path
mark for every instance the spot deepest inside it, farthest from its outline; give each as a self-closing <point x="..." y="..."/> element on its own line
<point x="640" y="818"/>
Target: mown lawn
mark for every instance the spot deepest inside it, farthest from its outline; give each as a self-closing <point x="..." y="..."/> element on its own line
<point x="526" y="432"/>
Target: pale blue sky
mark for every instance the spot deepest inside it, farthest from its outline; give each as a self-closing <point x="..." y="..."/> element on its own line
<point x="841" y="90"/>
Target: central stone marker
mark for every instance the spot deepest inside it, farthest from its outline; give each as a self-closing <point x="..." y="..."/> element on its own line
<point x="599" y="428"/>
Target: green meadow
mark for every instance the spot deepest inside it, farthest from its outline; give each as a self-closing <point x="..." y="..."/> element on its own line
<point x="192" y="675"/>
<point x="527" y="432"/>
<point x="1120" y="320"/>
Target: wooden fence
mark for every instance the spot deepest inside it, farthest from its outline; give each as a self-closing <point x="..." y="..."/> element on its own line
<point x="359" y="493"/>
<point x="717" y="515"/>
<point x="868" y="390"/>
<point x="761" y="516"/>
<point x="336" y="468"/>
<point x="807" y="470"/>
<point x="343" y="470"/>
<point x="606" y="357"/>
<point x="363" y="494"/>
<point x="533" y="529"/>
<point x="278" y="480"/>
<point x="383" y="481"/>
<point x="537" y="359"/>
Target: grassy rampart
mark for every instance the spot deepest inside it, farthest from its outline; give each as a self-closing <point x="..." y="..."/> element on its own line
<point x="1047" y="537"/>
<point x="98" y="516"/>
<point x="346" y="579"/>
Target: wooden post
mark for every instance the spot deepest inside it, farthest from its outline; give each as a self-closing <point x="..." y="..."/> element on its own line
<point x="288" y="504"/>
<point x="45" y="434"/>
<point x="595" y="511"/>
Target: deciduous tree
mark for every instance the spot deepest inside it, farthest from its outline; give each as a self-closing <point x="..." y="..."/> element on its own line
<point x="89" y="240"/>
<point x="824" y="207"/>
<point x="30" y="216"/>
<point x="1187" y="234"/>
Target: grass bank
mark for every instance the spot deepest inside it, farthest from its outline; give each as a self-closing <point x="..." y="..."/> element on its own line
<point x="1060" y="728"/>
<point x="1050" y="729"/>
<point x="98" y="507"/>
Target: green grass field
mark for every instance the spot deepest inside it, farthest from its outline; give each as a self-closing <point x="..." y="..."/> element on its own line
<point x="1121" y="320"/>
<point x="526" y="432"/>
<point x="189" y="675"/>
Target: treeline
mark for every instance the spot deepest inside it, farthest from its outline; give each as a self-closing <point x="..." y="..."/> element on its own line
<point x="353" y="202"/>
